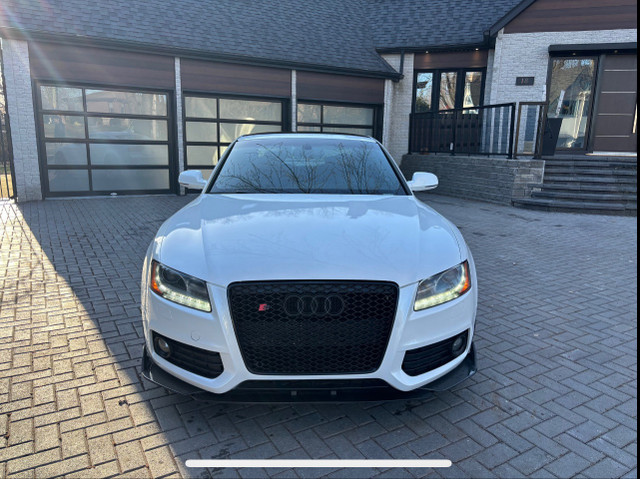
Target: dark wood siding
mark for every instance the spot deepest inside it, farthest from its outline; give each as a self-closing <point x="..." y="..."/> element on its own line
<point x="234" y="79"/>
<point x="434" y="61"/>
<point x="101" y="66"/>
<point x="326" y="87"/>
<point x="575" y="15"/>
<point x="616" y="115"/>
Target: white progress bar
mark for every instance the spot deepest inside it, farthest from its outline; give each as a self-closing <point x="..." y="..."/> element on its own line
<point x="337" y="463"/>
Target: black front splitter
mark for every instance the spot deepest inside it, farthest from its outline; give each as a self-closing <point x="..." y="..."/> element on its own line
<point x="315" y="390"/>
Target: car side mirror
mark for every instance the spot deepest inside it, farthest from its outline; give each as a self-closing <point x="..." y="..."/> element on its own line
<point x="192" y="179"/>
<point x="422" y="181"/>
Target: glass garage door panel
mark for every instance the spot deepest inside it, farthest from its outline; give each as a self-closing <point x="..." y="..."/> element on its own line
<point x="348" y="115"/>
<point x="107" y="128"/>
<point x="231" y="131"/>
<point x="126" y="102"/>
<point x="198" y="107"/>
<point x="354" y="120"/>
<point x="121" y="180"/>
<point x="203" y="131"/>
<point x="202" y="155"/>
<point x="68" y="180"/>
<point x="250" y="110"/>
<point x="62" y="99"/>
<point x="309" y="113"/>
<point x="103" y="140"/>
<point x="349" y="131"/>
<point x="63" y="126"/>
<point x="66" y="153"/>
<point x="115" y="154"/>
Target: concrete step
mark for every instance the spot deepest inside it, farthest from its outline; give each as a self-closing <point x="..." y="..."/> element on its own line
<point x="547" y="204"/>
<point x="590" y="166"/>
<point x="633" y="160"/>
<point x="591" y="187"/>
<point x="590" y="179"/>
<point x="598" y="185"/>
<point x="587" y="196"/>
<point x="557" y="170"/>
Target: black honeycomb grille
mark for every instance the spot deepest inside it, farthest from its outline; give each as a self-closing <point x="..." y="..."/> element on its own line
<point x="430" y="357"/>
<point x="308" y="327"/>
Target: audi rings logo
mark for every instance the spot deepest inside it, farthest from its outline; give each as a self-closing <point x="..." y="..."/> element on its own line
<point x="313" y="305"/>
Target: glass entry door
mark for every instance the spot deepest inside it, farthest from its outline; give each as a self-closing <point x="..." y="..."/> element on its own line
<point x="570" y="99"/>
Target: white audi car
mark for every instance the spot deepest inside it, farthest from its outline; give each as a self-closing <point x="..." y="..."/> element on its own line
<point x="307" y="270"/>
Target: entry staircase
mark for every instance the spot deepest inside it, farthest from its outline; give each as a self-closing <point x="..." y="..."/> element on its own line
<point x="587" y="184"/>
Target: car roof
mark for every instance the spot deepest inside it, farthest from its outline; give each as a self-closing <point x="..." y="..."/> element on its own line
<point x="309" y="135"/>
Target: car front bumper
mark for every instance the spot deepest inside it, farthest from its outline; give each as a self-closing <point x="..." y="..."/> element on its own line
<point x="309" y="390"/>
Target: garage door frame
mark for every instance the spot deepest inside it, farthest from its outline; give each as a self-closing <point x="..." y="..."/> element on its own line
<point x="171" y="142"/>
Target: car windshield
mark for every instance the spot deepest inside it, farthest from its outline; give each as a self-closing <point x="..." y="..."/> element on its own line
<point x="307" y="165"/>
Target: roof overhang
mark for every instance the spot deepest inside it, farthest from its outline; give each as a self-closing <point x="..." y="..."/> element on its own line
<point x="435" y="49"/>
<point x="598" y="48"/>
<point x="511" y="15"/>
<point x="152" y="49"/>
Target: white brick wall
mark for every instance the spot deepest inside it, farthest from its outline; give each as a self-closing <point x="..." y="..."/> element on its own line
<point x="397" y="108"/>
<point x="489" y="78"/>
<point x="527" y="54"/>
<point x="178" y="74"/>
<point x="294" y="101"/>
<point x="179" y="124"/>
<point x="17" y="73"/>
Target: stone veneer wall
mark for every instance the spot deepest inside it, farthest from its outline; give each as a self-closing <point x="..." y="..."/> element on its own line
<point x="497" y="180"/>
<point x="17" y="73"/>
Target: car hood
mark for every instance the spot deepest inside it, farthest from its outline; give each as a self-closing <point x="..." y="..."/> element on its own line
<point x="228" y="238"/>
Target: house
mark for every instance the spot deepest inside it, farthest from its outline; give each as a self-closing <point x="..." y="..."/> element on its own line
<point x="119" y="97"/>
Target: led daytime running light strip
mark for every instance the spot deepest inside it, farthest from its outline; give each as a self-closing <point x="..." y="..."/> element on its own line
<point x="458" y="290"/>
<point x="160" y="288"/>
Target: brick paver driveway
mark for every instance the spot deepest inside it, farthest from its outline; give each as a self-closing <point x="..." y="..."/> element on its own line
<point x="556" y="337"/>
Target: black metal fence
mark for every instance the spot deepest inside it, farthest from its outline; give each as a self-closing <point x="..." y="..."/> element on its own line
<point x="7" y="189"/>
<point x="482" y="130"/>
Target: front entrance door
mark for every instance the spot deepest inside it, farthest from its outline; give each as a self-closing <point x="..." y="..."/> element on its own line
<point x="617" y="110"/>
<point x="570" y="99"/>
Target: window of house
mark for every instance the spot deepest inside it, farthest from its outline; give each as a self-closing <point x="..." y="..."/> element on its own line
<point x="212" y="123"/>
<point x="447" y="99"/>
<point x="424" y="92"/>
<point x="472" y="93"/>
<point x="441" y="90"/>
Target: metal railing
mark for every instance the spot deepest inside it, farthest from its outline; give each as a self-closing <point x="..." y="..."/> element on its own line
<point x="481" y="130"/>
<point x="530" y="125"/>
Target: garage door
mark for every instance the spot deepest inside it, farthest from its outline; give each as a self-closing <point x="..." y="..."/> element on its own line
<point x="212" y="123"/>
<point x="103" y="141"/>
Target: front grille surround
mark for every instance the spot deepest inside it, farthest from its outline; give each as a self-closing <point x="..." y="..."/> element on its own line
<point x="427" y="358"/>
<point x="195" y="360"/>
<point x="280" y="331"/>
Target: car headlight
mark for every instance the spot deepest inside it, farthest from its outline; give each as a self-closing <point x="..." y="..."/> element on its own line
<point x="179" y="287"/>
<point x="443" y="287"/>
